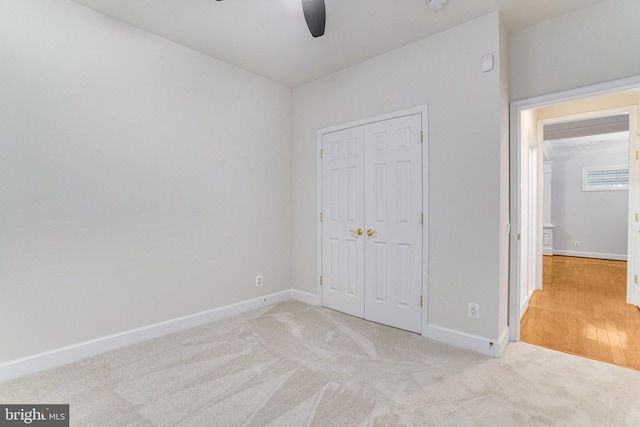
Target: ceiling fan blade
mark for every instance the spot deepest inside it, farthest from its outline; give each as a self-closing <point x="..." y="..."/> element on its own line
<point x="315" y="15"/>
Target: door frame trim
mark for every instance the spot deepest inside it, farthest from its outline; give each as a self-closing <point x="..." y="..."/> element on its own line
<point x="515" y="178"/>
<point x="423" y="111"/>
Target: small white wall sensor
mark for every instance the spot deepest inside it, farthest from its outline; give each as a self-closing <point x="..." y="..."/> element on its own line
<point x="487" y="62"/>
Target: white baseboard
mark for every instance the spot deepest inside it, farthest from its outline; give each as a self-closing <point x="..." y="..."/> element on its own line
<point x="547" y="251"/>
<point x="615" y="257"/>
<point x="61" y="356"/>
<point x="306" y="297"/>
<point x="525" y="303"/>
<point x="503" y="342"/>
<point x="467" y="341"/>
<point x="523" y="307"/>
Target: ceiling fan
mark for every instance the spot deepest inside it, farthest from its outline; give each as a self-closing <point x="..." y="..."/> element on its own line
<point x="316" y="16"/>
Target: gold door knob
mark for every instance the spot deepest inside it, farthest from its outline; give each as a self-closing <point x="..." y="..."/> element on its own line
<point x="358" y="231"/>
<point x="370" y="232"/>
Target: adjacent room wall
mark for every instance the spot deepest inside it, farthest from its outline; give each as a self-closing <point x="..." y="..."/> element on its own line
<point x="140" y="181"/>
<point x="467" y="150"/>
<point x="597" y="44"/>
<point x="596" y="219"/>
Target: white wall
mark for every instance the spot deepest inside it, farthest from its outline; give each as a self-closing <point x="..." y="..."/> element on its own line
<point x="140" y="181"/>
<point x="503" y="234"/>
<point x="597" y="219"/>
<point x="597" y="44"/>
<point x="467" y="152"/>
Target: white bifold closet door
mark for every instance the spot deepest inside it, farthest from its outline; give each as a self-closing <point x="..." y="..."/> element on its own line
<point x="372" y="221"/>
<point x="633" y="263"/>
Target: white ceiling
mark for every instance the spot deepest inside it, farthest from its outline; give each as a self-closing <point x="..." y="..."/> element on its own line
<point x="576" y="137"/>
<point x="604" y="143"/>
<point x="270" y="37"/>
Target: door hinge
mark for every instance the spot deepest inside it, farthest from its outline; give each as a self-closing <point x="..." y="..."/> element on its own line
<point x="321" y="153"/>
<point x="320" y="280"/>
<point x="421" y="136"/>
<point x="635" y="279"/>
<point x="637" y="155"/>
<point x="420" y="300"/>
<point x="421" y="218"/>
<point x="637" y="219"/>
<point x="320" y="216"/>
<point x="518" y="236"/>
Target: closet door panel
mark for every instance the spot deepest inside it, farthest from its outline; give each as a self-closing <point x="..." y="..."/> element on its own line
<point x="343" y="216"/>
<point x="393" y="228"/>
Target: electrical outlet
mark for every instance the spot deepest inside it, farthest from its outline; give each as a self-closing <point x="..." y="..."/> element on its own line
<point x="473" y="310"/>
<point x="577" y="243"/>
<point x="258" y="280"/>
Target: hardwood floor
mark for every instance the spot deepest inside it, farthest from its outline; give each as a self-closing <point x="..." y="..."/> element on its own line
<point x="582" y="310"/>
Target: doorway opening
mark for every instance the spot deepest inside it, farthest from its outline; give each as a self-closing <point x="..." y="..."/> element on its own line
<point x="571" y="139"/>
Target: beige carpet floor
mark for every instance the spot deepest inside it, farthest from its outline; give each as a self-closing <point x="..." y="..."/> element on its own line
<point x="293" y="364"/>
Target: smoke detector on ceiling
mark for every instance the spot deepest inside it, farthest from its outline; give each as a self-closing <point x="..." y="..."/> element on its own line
<point x="436" y="4"/>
